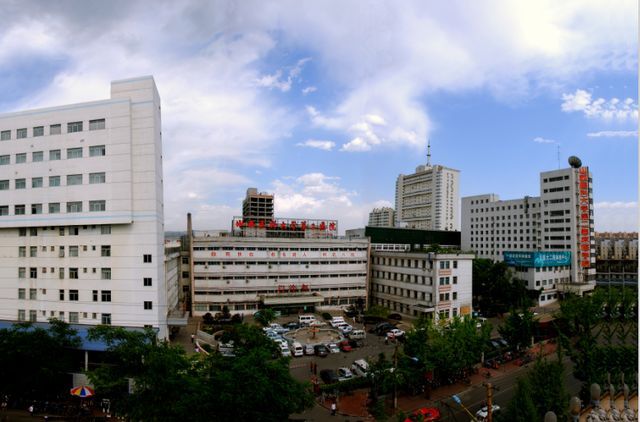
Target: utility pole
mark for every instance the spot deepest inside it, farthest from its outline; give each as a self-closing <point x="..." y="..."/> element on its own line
<point x="489" y="402"/>
<point x="395" y="376"/>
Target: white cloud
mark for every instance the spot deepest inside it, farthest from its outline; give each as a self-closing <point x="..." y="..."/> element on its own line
<point x="544" y="140"/>
<point x="612" y="109"/>
<point x="309" y="90"/>
<point x="356" y="145"/>
<point x="313" y="143"/>
<point x="275" y="80"/>
<point x="616" y="216"/>
<point x="614" y="134"/>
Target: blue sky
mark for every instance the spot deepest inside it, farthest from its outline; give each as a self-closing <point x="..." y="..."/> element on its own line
<point x="325" y="103"/>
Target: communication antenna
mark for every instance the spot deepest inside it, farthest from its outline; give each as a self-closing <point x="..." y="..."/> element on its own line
<point x="428" y="152"/>
<point x="558" y="156"/>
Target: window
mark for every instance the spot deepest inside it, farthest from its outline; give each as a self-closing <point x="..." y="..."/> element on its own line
<point x="146" y="258"/>
<point x="54" y="154"/>
<point x="105" y="250"/>
<point x="96" y="124"/>
<point x="37" y="156"/>
<point x="105" y="273"/>
<point x="455" y="295"/>
<point x="38" y="131"/>
<point x="455" y="264"/>
<point x="21" y="315"/>
<point x="73" y="273"/>
<point x="33" y="294"/>
<point x="455" y="279"/>
<point x="96" y="178"/>
<point x="74" y="207"/>
<point x="22" y="272"/>
<point x="22" y="251"/>
<point x="74" y="127"/>
<point x="4" y="185"/>
<point x="33" y="315"/>
<point x="54" y="181"/>
<point x="61" y="273"/>
<point x="36" y="182"/>
<point x="97" y="151"/>
<point x="5" y="135"/>
<point x="97" y="206"/>
<point x="74" y="153"/>
<point x="73" y="231"/>
<point x="4" y="210"/>
<point x="33" y="251"/>
<point x="73" y="295"/>
<point x="74" y="179"/>
<point x="21" y="183"/>
<point x="148" y="305"/>
<point x="147" y="281"/>
<point x="55" y="129"/>
<point x="105" y="295"/>
<point x="95" y="295"/>
<point x="33" y="272"/>
<point x="73" y="250"/>
<point x="106" y="319"/>
<point x="4" y="160"/>
<point x="61" y="294"/>
<point x="21" y="294"/>
<point x="21" y="158"/>
<point x="73" y="317"/>
<point x="105" y="229"/>
<point x="33" y="231"/>
<point x="19" y="210"/>
<point x="21" y="133"/>
<point x="54" y="208"/>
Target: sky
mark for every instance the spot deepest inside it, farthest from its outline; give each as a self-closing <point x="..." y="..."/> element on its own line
<point x="325" y="103"/>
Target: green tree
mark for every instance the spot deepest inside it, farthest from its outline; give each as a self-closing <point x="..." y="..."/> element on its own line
<point x="377" y="310"/>
<point x="547" y="385"/>
<point x="521" y="407"/>
<point x="518" y="329"/>
<point x="265" y="316"/>
<point x="495" y="290"/>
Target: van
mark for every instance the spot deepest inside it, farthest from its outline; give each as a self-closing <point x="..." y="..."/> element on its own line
<point x="306" y="319"/>
<point x="335" y="321"/>
<point x="357" y="335"/>
<point x="296" y="349"/>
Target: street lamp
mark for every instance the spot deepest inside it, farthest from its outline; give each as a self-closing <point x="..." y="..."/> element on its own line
<point x="457" y="400"/>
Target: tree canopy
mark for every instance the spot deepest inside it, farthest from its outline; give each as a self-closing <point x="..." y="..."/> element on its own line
<point x="495" y="290"/>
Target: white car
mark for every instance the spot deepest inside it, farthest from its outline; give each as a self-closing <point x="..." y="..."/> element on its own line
<point x="309" y="350"/>
<point x="284" y="349"/>
<point x="344" y="374"/>
<point x="333" y="348"/>
<point x="335" y="321"/>
<point x="481" y="415"/>
<point x="317" y="323"/>
<point x="395" y="333"/>
<point x="345" y="328"/>
<point x="360" y="368"/>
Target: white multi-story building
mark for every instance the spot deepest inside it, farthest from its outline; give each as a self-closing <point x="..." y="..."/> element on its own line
<point x="81" y="211"/>
<point x="287" y="274"/>
<point x="555" y="230"/>
<point x="382" y="217"/>
<point x="428" y="199"/>
<point x="438" y="285"/>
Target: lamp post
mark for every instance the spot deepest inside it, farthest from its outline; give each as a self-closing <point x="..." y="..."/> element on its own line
<point x="457" y="400"/>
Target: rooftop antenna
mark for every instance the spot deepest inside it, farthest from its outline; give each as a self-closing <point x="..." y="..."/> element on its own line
<point x="428" y="152"/>
<point x="558" y="156"/>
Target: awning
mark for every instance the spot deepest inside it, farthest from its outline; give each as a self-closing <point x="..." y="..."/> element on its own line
<point x="423" y="308"/>
<point x="292" y="300"/>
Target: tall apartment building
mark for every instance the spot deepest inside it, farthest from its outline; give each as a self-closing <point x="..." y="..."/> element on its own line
<point x="617" y="259"/>
<point x="428" y="199"/>
<point x="81" y="215"/>
<point x="257" y="206"/>
<point x="382" y="217"/>
<point x="548" y="239"/>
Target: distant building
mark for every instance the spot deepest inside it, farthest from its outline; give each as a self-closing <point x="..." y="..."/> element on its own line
<point x="547" y="239"/>
<point x="617" y="259"/>
<point x="429" y="198"/>
<point x="382" y="217"/>
<point x="257" y="206"/>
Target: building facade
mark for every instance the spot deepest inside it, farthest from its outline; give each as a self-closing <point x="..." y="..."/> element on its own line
<point x="286" y="274"/>
<point x="438" y="285"/>
<point x="559" y="220"/>
<point x="81" y="215"/>
<point x="257" y="206"/>
<point x="428" y="199"/>
<point x="617" y="259"/>
<point x="382" y="217"/>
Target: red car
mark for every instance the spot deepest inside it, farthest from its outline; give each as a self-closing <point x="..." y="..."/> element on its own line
<point x="426" y="414"/>
<point x="345" y="346"/>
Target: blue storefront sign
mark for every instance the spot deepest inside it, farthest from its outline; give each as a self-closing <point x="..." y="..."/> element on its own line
<point x="537" y="259"/>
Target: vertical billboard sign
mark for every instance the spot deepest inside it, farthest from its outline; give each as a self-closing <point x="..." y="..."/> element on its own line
<point x="584" y="215"/>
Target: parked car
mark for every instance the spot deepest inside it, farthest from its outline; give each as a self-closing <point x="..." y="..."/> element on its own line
<point x="395" y="333"/>
<point x="351" y="312"/>
<point x="360" y="368"/>
<point x="316" y="323"/>
<point x="321" y="350"/>
<point x="297" y="349"/>
<point x="357" y="334"/>
<point x="329" y="376"/>
<point x="426" y="414"/>
<point x="356" y="343"/>
<point x="371" y="319"/>
<point x="345" y="346"/>
<point x="291" y="325"/>
<point x="382" y="329"/>
<point x="309" y="350"/>
<point x="333" y="348"/>
<point x="396" y="317"/>
<point x="344" y="374"/>
<point x="481" y="415"/>
<point x="345" y="328"/>
<point x="336" y="321"/>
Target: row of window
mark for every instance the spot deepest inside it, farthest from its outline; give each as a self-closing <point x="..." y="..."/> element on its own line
<point x="272" y="291"/>
<point x="54" y="208"/>
<point x="54" y="155"/>
<point x="74" y="317"/>
<point x="105" y="250"/>
<point x="278" y="249"/>
<point x="250" y="306"/>
<point x="72" y="230"/>
<point x="247" y="263"/>
<point x="54" y="129"/>
<point x="507" y="217"/>
<point x="498" y="208"/>
<point x="54" y="181"/>
<point x="279" y="277"/>
<point x="73" y="272"/>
